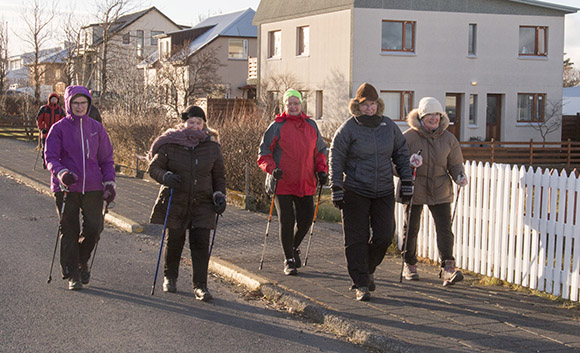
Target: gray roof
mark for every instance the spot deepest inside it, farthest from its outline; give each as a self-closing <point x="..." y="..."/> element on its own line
<point x="277" y="10"/>
<point x="235" y="24"/>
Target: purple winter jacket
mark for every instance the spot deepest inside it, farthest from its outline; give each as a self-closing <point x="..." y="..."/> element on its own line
<point x="81" y="145"/>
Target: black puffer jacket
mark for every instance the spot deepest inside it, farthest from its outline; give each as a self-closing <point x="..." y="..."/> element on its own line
<point x="362" y="157"/>
<point x="202" y="173"/>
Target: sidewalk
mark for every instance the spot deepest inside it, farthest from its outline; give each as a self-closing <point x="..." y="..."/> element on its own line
<point x="419" y="316"/>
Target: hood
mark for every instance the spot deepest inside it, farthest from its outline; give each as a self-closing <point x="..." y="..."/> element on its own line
<point x="415" y="123"/>
<point x="354" y="107"/>
<point x="284" y="116"/>
<point x="72" y="91"/>
<point x="213" y="135"/>
<point x="54" y="94"/>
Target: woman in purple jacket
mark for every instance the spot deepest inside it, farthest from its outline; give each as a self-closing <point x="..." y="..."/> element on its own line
<point x="79" y="156"/>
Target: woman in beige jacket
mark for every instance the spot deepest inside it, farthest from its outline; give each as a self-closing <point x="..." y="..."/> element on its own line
<point x="440" y="162"/>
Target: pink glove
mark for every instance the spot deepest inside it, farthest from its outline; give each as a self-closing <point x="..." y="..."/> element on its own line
<point x="416" y="160"/>
<point x="462" y="179"/>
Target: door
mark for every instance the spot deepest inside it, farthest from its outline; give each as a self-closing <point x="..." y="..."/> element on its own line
<point x="453" y="109"/>
<point x="493" y="117"/>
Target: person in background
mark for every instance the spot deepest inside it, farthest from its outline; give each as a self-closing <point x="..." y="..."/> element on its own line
<point x="79" y="155"/>
<point x="440" y="162"/>
<point x="188" y="161"/>
<point x="362" y="154"/>
<point x="94" y="113"/>
<point x="293" y="154"/>
<point x="48" y="114"/>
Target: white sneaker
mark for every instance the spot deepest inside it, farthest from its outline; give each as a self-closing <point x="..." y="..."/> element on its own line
<point x="410" y="272"/>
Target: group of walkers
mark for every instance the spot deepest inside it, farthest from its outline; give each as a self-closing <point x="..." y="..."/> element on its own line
<point x="367" y="151"/>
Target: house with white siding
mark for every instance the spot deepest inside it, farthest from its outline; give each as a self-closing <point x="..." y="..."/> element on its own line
<point x="497" y="65"/>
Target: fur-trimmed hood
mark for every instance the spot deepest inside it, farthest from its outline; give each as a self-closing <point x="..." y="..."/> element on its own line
<point x="415" y="123"/>
<point x="354" y="107"/>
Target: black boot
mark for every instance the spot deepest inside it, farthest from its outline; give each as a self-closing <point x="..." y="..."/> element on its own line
<point x="85" y="273"/>
<point x="169" y="285"/>
<point x="201" y="292"/>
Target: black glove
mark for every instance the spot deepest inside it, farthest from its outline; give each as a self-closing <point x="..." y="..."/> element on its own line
<point x="277" y="173"/>
<point x="407" y="189"/>
<point x="67" y="178"/>
<point x="322" y="178"/>
<point x="172" y="180"/>
<point x="338" y="197"/>
<point x="109" y="193"/>
<point x="44" y="131"/>
<point x="219" y="201"/>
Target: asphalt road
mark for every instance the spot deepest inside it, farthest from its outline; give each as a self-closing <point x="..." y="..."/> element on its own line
<point x="116" y="312"/>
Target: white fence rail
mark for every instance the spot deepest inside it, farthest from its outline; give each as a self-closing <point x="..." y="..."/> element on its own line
<point x="521" y="226"/>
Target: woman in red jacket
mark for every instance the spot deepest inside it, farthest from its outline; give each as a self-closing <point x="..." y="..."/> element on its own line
<point x="293" y="154"/>
<point x="48" y="114"/>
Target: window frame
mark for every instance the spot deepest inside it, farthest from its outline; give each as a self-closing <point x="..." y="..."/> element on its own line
<point x="402" y="111"/>
<point x="244" y="43"/>
<point x="154" y="41"/>
<point x="272" y="44"/>
<point x="403" y="49"/>
<point x="536" y="51"/>
<point x="302" y="49"/>
<point x="472" y="40"/>
<point x="473" y="106"/>
<point x="536" y="99"/>
<point x="127" y="38"/>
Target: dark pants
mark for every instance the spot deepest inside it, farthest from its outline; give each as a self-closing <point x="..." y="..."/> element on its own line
<point x="365" y="251"/>
<point x="442" y="216"/>
<point x="199" y="246"/>
<point x="295" y="216"/>
<point x="76" y="244"/>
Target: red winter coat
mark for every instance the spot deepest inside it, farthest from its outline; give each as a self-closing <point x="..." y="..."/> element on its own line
<point x="48" y="115"/>
<point x="293" y="144"/>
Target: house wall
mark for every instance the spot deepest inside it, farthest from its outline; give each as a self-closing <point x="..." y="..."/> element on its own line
<point x="440" y="63"/>
<point x="326" y="68"/>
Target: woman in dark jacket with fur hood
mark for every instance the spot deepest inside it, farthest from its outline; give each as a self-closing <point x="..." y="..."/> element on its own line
<point x="440" y="161"/>
<point x="362" y="154"/>
<point x="189" y="161"/>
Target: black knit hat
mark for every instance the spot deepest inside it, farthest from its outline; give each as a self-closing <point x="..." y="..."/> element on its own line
<point x="193" y="111"/>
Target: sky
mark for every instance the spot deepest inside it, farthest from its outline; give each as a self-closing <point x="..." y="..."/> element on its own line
<point x="11" y="12"/>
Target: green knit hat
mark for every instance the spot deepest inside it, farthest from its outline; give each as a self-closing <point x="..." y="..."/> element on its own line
<point x="292" y="93"/>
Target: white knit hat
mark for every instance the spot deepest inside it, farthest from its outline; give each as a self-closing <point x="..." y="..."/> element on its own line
<point x="429" y="105"/>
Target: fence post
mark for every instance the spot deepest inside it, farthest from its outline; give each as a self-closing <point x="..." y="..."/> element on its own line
<point x="492" y="150"/>
<point x="247" y="180"/>
<point x="569" y="152"/>
<point x="136" y="165"/>
<point x="531" y="152"/>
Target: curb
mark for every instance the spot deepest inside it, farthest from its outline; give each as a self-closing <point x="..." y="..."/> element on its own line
<point x="296" y="303"/>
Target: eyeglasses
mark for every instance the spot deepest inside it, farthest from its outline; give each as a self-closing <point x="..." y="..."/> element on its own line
<point x="80" y="104"/>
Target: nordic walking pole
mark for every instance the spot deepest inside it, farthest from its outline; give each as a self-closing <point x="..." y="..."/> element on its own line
<point x="455" y="207"/>
<point x="213" y="236"/>
<point x="39" y="147"/>
<point x="268" y="226"/>
<point x="312" y="227"/>
<point x="407" y="227"/>
<point x="105" y="211"/>
<point x="162" y="238"/>
<point x="57" y="235"/>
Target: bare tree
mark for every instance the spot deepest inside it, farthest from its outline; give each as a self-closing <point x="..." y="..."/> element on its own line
<point x="271" y="90"/>
<point x="571" y="74"/>
<point x="3" y="56"/>
<point x="552" y="119"/>
<point x="37" y="20"/>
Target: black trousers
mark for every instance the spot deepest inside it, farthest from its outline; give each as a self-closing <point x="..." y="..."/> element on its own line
<point x="369" y="226"/>
<point x="76" y="242"/>
<point x="295" y="217"/>
<point x="442" y="216"/>
<point x="199" y="246"/>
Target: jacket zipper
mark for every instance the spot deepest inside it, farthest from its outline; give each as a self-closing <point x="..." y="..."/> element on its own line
<point x="83" y="150"/>
<point x="376" y="163"/>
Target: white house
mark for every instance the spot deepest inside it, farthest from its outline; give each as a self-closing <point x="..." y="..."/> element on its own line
<point x="495" y="64"/>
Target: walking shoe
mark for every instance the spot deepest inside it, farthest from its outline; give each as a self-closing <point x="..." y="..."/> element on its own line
<point x="74" y="284"/>
<point x="201" y="293"/>
<point x="372" y="285"/>
<point x="169" y="285"/>
<point x="410" y="272"/>
<point x="362" y="294"/>
<point x="450" y="274"/>
<point x="85" y="273"/>
<point x="290" y="267"/>
<point x="297" y="258"/>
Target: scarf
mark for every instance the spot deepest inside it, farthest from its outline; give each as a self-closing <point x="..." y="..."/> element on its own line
<point x="369" y="120"/>
<point x="183" y="136"/>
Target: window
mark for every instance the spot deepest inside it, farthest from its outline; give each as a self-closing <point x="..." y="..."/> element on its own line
<point x="275" y="44"/>
<point x="275" y="101"/>
<point x="473" y="109"/>
<point x="533" y="41"/>
<point x="398" y="36"/>
<point x="304" y="101"/>
<point x="126" y="38"/>
<point x="140" y="42"/>
<point x="303" y="41"/>
<point x="531" y="107"/>
<point x="319" y="105"/>
<point x="397" y="103"/>
<point x="238" y="49"/>
<point x="153" y="34"/>
<point x="472" y="43"/>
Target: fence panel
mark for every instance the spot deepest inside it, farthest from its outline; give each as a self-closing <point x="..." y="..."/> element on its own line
<point x="518" y="225"/>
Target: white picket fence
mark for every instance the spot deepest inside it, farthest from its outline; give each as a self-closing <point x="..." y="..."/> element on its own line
<point x="521" y="226"/>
